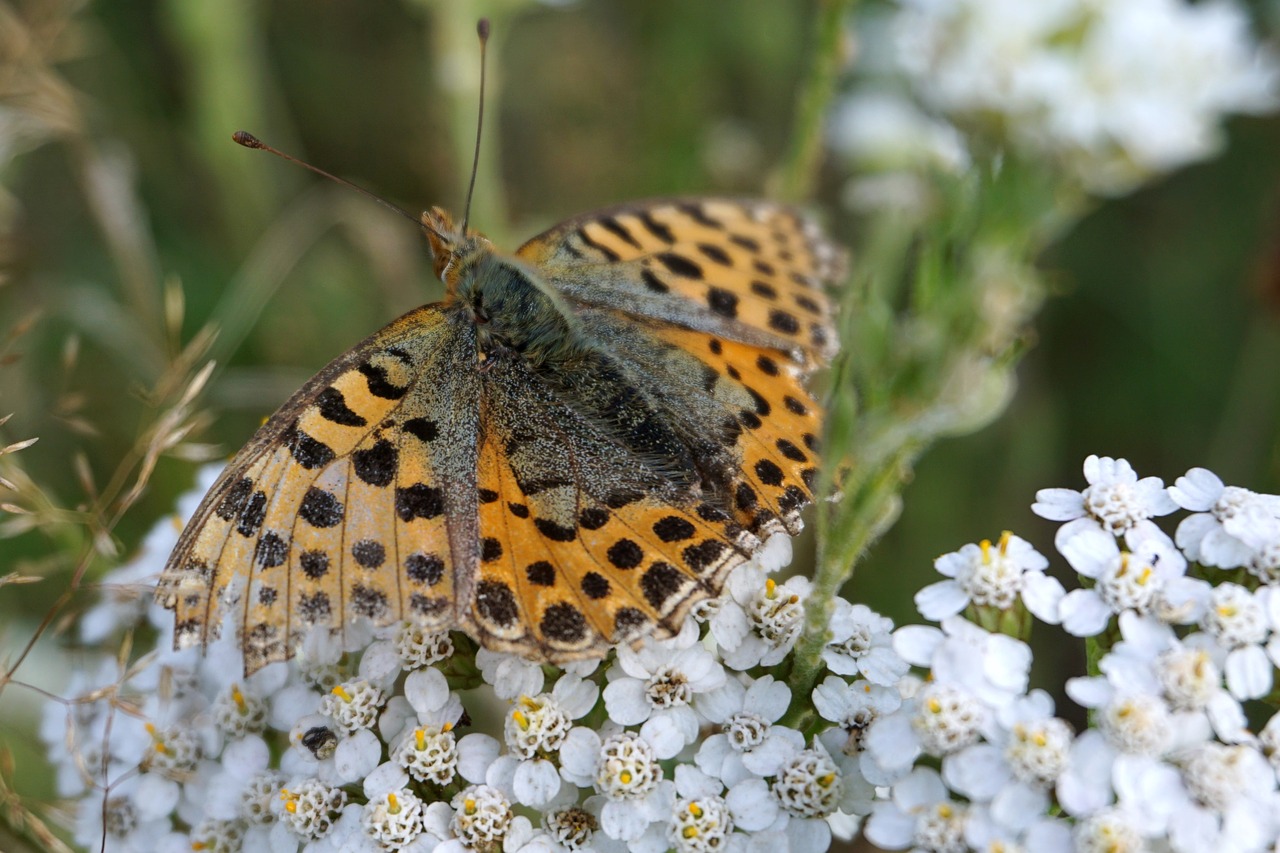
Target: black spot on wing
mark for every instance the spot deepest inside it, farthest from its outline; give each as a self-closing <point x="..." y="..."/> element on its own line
<point x="723" y="302"/>
<point x="423" y="429"/>
<point x="251" y="516"/>
<point x="419" y="501"/>
<point x="694" y="211"/>
<point x="764" y="290"/>
<point x="769" y="473"/>
<point x="680" y="265"/>
<point x="541" y="573"/>
<point x="233" y="501"/>
<point x="659" y="582"/>
<point x="496" y="602"/>
<point x="379" y="386"/>
<point x="333" y="408"/>
<point x="625" y="554"/>
<point x="320" y="508"/>
<point x="306" y="451"/>
<point x="782" y="321"/>
<point x="554" y="531"/>
<point x="367" y="601"/>
<point x="656" y="228"/>
<point x="609" y="254"/>
<point x="271" y="550"/>
<point x="595" y="585"/>
<point x="652" y="282"/>
<point x="369" y="553"/>
<point x="424" y="568"/>
<point x="563" y="622"/>
<point x="715" y="253"/>
<point x="315" y="564"/>
<point x="615" y="228"/>
<point x="377" y="465"/>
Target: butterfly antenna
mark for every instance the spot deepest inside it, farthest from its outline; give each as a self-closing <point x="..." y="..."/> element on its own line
<point x="248" y="140"/>
<point x="482" y="30"/>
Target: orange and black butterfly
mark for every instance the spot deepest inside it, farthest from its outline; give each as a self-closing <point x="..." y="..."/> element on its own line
<point x="570" y="450"/>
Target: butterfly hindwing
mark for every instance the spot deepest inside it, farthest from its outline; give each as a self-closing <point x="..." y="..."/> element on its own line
<point x="582" y="544"/>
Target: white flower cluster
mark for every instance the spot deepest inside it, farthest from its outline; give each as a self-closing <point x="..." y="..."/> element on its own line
<point x="1114" y="92"/>
<point x="1169" y="762"/>
<point x="694" y="744"/>
<point x="376" y="744"/>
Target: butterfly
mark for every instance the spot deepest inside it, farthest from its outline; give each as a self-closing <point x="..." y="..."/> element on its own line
<point x="568" y="452"/>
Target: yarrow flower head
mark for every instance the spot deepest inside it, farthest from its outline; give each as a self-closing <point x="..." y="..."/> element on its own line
<point x="992" y="576"/>
<point x="1229" y="526"/>
<point x="1115" y="501"/>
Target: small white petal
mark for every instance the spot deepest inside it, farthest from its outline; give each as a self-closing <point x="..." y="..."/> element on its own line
<point x="426" y="689"/>
<point x="626" y="702"/>
<point x="1086" y="546"/>
<point x="692" y="783"/>
<point x="384" y="779"/>
<point x="978" y="772"/>
<point x="579" y="755"/>
<point x="1042" y="594"/>
<point x="1249" y="673"/>
<point x="1058" y="504"/>
<point x="475" y="753"/>
<point x="1084" y="613"/>
<point x="939" y="600"/>
<point x="889" y="827"/>
<point x="1018" y="806"/>
<point x="536" y="783"/>
<point x="154" y="797"/>
<point x="1222" y="550"/>
<point x="666" y="732"/>
<point x="1197" y="491"/>
<point x="622" y="820"/>
<point x="917" y="643"/>
<point x="770" y="698"/>
<point x="1191" y="532"/>
<point x="380" y="664"/>
<point x="357" y="756"/>
<point x="752" y="807"/>
<point x="721" y="703"/>
<point x="1090" y="692"/>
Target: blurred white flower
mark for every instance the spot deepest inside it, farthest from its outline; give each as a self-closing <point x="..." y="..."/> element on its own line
<point x="883" y="131"/>
<point x="1114" y="92"/>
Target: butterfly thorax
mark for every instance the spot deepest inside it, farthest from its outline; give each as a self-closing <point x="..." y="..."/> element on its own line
<point x="513" y="311"/>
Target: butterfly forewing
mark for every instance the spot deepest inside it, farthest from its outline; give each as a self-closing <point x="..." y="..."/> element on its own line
<point x="336" y="508"/>
<point x="750" y="270"/>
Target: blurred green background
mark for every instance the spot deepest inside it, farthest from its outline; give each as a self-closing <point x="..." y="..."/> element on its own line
<point x="122" y="192"/>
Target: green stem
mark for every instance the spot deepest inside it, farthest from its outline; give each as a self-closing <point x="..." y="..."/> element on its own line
<point x="794" y="181"/>
<point x="867" y="514"/>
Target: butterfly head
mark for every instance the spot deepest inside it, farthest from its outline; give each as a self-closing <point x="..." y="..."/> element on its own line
<point x="453" y="251"/>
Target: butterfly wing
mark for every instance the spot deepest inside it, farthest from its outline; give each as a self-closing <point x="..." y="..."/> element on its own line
<point x="584" y="544"/>
<point x="727" y="298"/>
<point x="743" y="269"/>
<point x="337" y="507"/>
